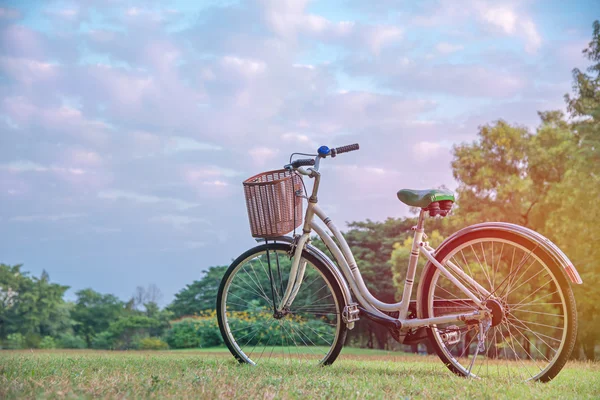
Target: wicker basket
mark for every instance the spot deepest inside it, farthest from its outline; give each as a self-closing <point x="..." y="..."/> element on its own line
<point x="274" y="206"/>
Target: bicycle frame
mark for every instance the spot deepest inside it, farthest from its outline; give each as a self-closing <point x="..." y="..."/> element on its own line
<point x="346" y="262"/>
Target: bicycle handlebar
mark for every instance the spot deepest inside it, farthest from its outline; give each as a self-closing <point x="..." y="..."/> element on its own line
<point x="344" y="149"/>
<point x="303" y="162"/>
<point x="322" y="152"/>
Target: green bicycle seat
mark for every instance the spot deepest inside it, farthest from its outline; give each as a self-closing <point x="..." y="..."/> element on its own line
<point x="423" y="198"/>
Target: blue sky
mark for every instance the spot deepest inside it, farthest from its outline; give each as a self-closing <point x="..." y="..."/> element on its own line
<point x="126" y="127"/>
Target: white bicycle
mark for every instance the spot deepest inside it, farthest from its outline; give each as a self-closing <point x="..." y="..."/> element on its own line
<point x="493" y="299"/>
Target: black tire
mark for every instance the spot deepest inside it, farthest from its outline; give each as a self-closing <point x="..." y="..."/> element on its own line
<point x="520" y="330"/>
<point x="333" y="304"/>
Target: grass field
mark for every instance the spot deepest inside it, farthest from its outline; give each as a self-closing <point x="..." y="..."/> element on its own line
<point x="215" y="374"/>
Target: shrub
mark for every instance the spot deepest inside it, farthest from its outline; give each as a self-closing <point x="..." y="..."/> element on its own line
<point x="152" y="343"/>
<point x="183" y="334"/>
<point x="209" y="333"/>
<point x="201" y="331"/>
<point x="68" y="341"/>
<point x="15" y="341"/>
<point x="47" y="342"/>
<point x="127" y="332"/>
<point x="32" y="341"/>
<point x="103" y="341"/>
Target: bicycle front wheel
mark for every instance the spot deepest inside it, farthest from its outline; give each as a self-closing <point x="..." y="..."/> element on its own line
<point x="534" y="326"/>
<point x="311" y="330"/>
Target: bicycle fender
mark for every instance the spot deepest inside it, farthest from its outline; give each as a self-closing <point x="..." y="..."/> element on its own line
<point x="543" y="243"/>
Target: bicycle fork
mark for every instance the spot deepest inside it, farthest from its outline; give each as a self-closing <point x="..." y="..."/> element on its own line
<point x="296" y="275"/>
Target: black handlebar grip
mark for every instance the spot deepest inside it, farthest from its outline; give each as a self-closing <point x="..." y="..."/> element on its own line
<point x="303" y="162"/>
<point x="345" y="149"/>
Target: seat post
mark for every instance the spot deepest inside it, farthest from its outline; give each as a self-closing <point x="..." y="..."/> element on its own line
<point x="412" y="265"/>
<point x="421" y="220"/>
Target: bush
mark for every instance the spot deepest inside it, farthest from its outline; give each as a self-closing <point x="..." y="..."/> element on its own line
<point x="47" y="342"/>
<point x="183" y="335"/>
<point x="152" y="343"/>
<point x="15" y="341"/>
<point x="68" y="341"/>
<point x="32" y="341"/>
<point x="103" y="341"/>
<point x="127" y="332"/>
<point x="201" y="331"/>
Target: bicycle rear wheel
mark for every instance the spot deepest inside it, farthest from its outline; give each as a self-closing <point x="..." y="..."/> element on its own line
<point x="536" y="321"/>
<point x="311" y="330"/>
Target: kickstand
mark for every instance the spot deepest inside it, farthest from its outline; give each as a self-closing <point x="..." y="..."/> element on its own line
<point x="484" y="326"/>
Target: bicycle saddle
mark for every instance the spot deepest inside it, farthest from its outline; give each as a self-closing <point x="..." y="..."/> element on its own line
<point x="423" y="198"/>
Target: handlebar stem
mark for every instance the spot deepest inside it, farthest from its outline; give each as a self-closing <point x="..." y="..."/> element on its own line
<point x="315" y="174"/>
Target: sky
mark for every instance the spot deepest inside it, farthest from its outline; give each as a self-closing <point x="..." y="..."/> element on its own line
<point x="127" y="127"/>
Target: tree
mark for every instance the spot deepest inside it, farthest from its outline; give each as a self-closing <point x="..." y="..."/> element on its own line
<point x="94" y="312"/>
<point x="574" y="220"/>
<point x="151" y="294"/>
<point x="30" y="306"/>
<point x="199" y="295"/>
<point x="549" y="181"/>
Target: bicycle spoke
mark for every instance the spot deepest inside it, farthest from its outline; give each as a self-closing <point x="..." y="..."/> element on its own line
<point x="306" y="332"/>
<point x="527" y="339"/>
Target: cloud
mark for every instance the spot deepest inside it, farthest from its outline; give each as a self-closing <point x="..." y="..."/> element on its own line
<point x="427" y="150"/>
<point x="9" y="13"/>
<point x="178" y="221"/>
<point x="448" y="48"/>
<point x="178" y="144"/>
<point x="145" y="199"/>
<point x="135" y="114"/>
<point x="262" y="155"/>
<point x="511" y="22"/>
<point x="27" y="71"/>
<point x="47" y="218"/>
<point x="29" y="166"/>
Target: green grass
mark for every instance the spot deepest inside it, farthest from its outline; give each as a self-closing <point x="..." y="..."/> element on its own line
<point x="212" y="373"/>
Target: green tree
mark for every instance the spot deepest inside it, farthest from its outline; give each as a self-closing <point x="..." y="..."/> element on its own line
<point x="31" y="306"/>
<point x="200" y="295"/>
<point x="549" y="181"/>
<point x="127" y="331"/>
<point x="573" y="222"/>
<point x="94" y="312"/>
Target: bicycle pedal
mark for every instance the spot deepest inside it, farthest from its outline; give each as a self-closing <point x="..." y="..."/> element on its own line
<point x="350" y="313"/>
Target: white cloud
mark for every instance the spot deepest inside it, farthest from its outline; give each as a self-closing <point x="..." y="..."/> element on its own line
<point x="28" y="71"/>
<point x="447" y="48"/>
<point x="215" y="183"/>
<point x="534" y="40"/>
<point x="195" y="244"/>
<point x="244" y="65"/>
<point x="381" y="36"/>
<point x="145" y="199"/>
<point x="178" y="221"/>
<point x="511" y="22"/>
<point x="195" y="174"/>
<point x="426" y="149"/>
<point x="9" y="13"/>
<point x="47" y="218"/>
<point x="24" y="166"/>
<point x="30" y="166"/>
<point x="502" y="17"/>
<point x="261" y="155"/>
<point x="178" y="144"/>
